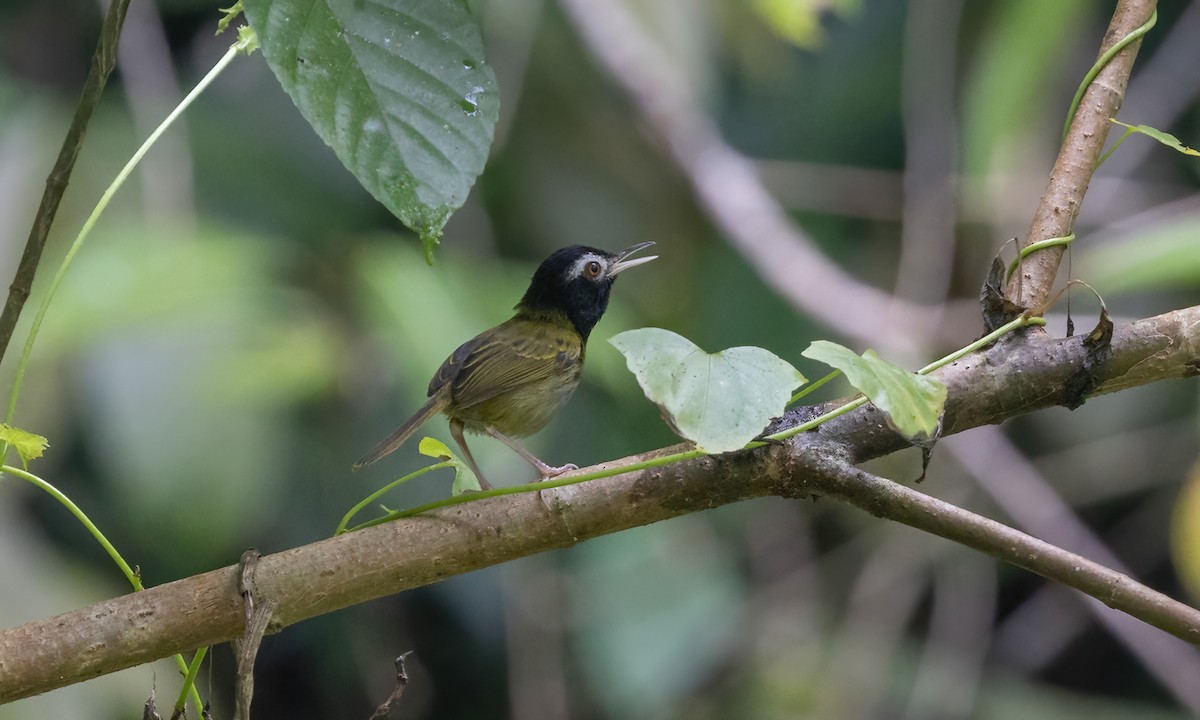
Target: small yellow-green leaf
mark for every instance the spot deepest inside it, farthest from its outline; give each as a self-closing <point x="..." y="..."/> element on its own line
<point x="28" y="445"/>
<point x="799" y="21"/>
<point x="913" y="403"/>
<point x="1185" y="533"/>
<point x="720" y="401"/>
<point x="434" y="448"/>
<point x="464" y="477"/>
<point x="1163" y="137"/>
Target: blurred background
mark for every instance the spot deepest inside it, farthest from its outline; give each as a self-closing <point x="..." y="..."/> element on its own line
<point x="246" y="321"/>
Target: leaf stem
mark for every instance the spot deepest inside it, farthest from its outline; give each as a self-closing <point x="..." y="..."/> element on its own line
<point x="83" y="519"/>
<point x="341" y="528"/>
<point x="811" y="424"/>
<point x="993" y="336"/>
<point x="1115" y="145"/>
<point x="811" y="387"/>
<point x="189" y="684"/>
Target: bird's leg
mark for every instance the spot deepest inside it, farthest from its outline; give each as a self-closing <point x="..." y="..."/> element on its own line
<point x="546" y="471"/>
<point x="456" y="431"/>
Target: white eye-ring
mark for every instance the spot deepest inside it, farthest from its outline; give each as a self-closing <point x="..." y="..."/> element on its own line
<point x="589" y="267"/>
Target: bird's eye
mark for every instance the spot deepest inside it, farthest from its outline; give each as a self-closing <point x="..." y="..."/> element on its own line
<point x="593" y="269"/>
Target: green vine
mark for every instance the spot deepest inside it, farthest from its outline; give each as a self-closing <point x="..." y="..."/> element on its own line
<point x="1035" y="246"/>
<point x="242" y="45"/>
<point x="1103" y="60"/>
<point x="131" y="574"/>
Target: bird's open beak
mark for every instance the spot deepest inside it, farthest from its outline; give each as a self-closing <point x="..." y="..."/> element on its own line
<point x="622" y="264"/>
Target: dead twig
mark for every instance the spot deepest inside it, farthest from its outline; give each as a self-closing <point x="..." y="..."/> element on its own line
<point x="385" y="709"/>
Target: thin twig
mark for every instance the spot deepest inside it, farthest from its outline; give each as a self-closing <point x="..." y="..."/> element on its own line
<point x="103" y="61"/>
<point x="385" y="709"/>
<point x="1015" y="485"/>
<point x="893" y="501"/>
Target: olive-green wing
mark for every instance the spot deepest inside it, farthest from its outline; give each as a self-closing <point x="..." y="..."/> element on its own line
<point x="506" y="357"/>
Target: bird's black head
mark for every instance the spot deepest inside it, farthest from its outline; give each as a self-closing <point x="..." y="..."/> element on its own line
<point x="576" y="281"/>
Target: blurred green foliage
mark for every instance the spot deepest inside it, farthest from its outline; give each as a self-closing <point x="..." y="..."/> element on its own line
<point x="247" y="320"/>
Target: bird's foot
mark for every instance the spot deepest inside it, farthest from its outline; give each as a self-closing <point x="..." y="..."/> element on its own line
<point x="549" y="471"/>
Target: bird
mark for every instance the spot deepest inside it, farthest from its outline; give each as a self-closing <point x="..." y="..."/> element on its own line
<point x="510" y="380"/>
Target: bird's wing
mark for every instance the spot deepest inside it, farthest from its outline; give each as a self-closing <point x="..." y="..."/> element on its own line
<point x="507" y="357"/>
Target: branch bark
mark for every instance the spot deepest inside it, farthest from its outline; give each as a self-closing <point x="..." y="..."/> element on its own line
<point x="1055" y="217"/>
<point x="103" y="61"/>
<point x="1009" y="379"/>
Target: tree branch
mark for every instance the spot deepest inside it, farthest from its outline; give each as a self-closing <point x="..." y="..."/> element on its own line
<point x="1009" y="379"/>
<point x="1060" y="203"/>
<point x="103" y="61"/>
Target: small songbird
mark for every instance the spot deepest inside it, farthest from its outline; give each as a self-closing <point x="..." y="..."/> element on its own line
<point x="510" y="380"/>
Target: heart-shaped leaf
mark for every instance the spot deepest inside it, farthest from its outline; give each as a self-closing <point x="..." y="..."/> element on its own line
<point x="913" y="403"/>
<point x="720" y="401"/>
<point x="398" y="88"/>
<point x="464" y="477"/>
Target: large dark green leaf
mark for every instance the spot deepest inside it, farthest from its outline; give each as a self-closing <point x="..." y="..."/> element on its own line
<point x="398" y="88"/>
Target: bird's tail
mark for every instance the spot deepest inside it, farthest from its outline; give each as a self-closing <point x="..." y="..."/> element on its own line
<point x="436" y="404"/>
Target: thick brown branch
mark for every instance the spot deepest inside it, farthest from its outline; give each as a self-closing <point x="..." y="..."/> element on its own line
<point x="1021" y="375"/>
<point x="1024" y="375"/>
<point x="103" y="61"/>
<point x="1056" y="213"/>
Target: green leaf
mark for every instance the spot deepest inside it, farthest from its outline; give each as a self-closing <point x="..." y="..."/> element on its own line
<point x="1163" y="137"/>
<point x="230" y="14"/>
<point x="398" y="88"/>
<point x="913" y="403"/>
<point x="720" y="401"/>
<point x="27" y="445"/>
<point x="799" y="21"/>
<point x="464" y="477"/>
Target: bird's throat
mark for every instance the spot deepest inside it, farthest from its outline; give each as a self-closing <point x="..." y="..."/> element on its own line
<point x="583" y="317"/>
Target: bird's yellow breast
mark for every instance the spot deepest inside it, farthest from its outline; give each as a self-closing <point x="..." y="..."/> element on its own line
<point x="515" y="376"/>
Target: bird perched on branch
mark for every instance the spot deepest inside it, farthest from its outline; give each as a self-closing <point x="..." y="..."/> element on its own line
<point x="509" y="381"/>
